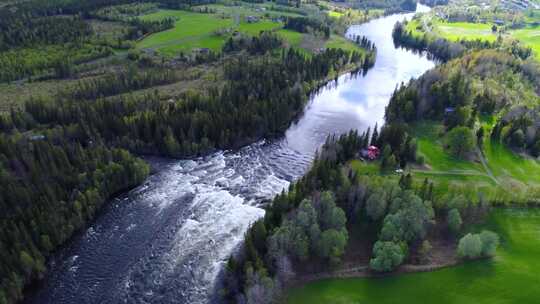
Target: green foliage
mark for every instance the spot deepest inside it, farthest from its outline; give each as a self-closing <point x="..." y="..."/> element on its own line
<point x="408" y="220"/>
<point x="470" y="246"/>
<point x="223" y="118"/>
<point x="387" y="256"/>
<point x="454" y="220"/>
<point x="332" y="244"/>
<point x="50" y="188"/>
<point x="490" y="242"/>
<point x="315" y="229"/>
<point x="376" y="205"/>
<point x="425" y="251"/>
<point x="121" y="82"/>
<point x="460" y="141"/>
<point x="33" y="31"/>
<point x="473" y="246"/>
<point x="48" y="59"/>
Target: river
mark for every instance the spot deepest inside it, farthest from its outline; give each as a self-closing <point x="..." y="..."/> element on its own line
<point x="166" y="241"/>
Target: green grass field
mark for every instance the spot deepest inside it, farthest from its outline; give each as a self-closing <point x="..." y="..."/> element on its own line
<point x="293" y="38"/>
<point x="338" y="42"/>
<point x="464" y="30"/>
<point x="514" y="177"/>
<point x="507" y="165"/>
<point x="452" y="31"/>
<point x="335" y="14"/>
<point x="197" y="30"/>
<point x="259" y="9"/>
<point x="192" y="30"/>
<point x="430" y="145"/>
<point x="530" y="36"/>
<point x="511" y="277"/>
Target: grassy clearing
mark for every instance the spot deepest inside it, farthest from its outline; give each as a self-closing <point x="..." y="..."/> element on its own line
<point x="530" y="36"/>
<point x="515" y="176"/>
<point x="15" y="94"/>
<point x="293" y="38"/>
<point x="335" y="14"/>
<point x="253" y="9"/>
<point x="365" y="168"/>
<point x="257" y="27"/>
<point x="198" y="30"/>
<point x="338" y="42"/>
<point x="502" y="280"/>
<point x="508" y="166"/>
<point x="192" y="30"/>
<point x="430" y="145"/>
<point x="464" y="30"/>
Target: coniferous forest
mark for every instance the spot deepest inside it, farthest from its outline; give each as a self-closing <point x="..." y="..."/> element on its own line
<point x="64" y="155"/>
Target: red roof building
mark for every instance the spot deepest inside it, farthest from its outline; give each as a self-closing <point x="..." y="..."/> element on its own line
<point x="371" y="153"/>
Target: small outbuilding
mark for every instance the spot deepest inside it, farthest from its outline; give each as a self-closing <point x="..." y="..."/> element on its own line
<point x="252" y="19"/>
<point x="371" y="153"/>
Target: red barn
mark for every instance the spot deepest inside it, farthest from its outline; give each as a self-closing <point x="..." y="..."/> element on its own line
<point x="371" y="153"/>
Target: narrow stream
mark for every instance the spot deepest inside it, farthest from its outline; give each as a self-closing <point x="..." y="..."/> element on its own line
<point x="165" y="241"/>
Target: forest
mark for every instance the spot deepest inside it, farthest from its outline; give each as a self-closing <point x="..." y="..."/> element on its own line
<point x="197" y="123"/>
<point x="53" y="183"/>
<point x="63" y="156"/>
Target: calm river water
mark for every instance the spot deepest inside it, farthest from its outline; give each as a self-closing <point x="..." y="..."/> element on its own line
<point x="165" y="241"/>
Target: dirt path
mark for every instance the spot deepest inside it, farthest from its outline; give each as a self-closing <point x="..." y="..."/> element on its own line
<point x="484" y="163"/>
<point x="362" y="271"/>
<point x="453" y="172"/>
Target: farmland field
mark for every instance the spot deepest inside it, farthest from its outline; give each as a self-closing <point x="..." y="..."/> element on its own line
<point x="191" y="30"/>
<point x="338" y="42"/>
<point x="508" y="278"/>
<point x="511" y="172"/>
<point x="293" y="38"/>
<point x="197" y="30"/>
<point x="471" y="31"/>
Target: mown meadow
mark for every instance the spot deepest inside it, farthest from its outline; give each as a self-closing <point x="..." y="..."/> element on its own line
<point x="211" y="29"/>
<point x="511" y="277"/>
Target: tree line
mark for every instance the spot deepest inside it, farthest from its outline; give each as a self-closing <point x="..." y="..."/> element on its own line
<point x="306" y="24"/>
<point x="259" y="99"/>
<point x="24" y="32"/>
